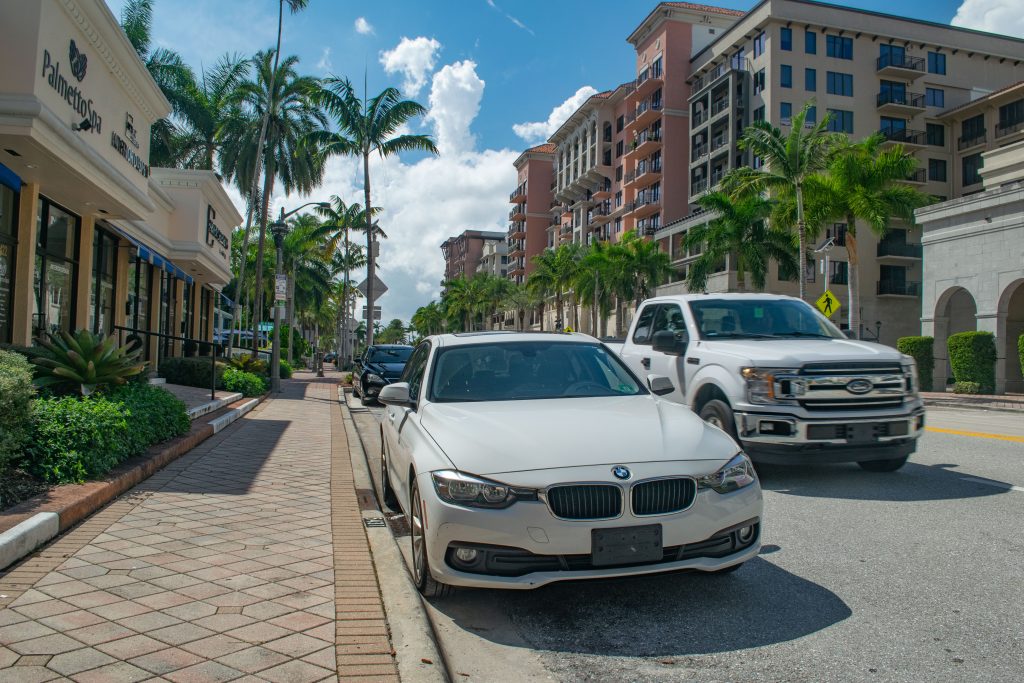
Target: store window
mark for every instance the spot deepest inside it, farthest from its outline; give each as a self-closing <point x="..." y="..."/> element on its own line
<point x="204" y="309"/>
<point x="140" y="284"/>
<point x="101" y="289"/>
<point x="168" y="312"/>
<point x="8" y="250"/>
<point x="56" y="269"/>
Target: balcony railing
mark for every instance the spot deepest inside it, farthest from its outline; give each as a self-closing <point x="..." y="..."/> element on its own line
<point x="519" y="191"/>
<point x="903" y="99"/>
<point x="899" y="288"/>
<point x="698" y="152"/>
<point x="972" y="140"/>
<point x="899" y="249"/>
<point x="918" y="176"/>
<point x="646" y="106"/>
<point x="648" y="166"/>
<point x="719" y="106"/>
<point x="716" y="177"/>
<point x="1009" y="128"/>
<point x="700" y="117"/>
<point x="904" y="136"/>
<point x="698" y="186"/>
<point x="897" y="61"/>
<point x="720" y="141"/>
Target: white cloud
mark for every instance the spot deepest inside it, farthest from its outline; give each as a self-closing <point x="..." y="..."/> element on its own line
<point x="414" y="58"/>
<point x="995" y="16"/>
<point x="454" y="103"/>
<point x="363" y="27"/>
<point x="493" y="5"/>
<point x="535" y="132"/>
<point x="325" y="61"/>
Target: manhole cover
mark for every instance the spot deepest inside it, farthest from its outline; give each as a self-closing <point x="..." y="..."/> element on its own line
<point x="374" y="522"/>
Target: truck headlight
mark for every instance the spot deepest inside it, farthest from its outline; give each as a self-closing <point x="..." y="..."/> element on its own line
<point x="761" y="384"/>
<point x="459" y="488"/>
<point x="734" y="475"/>
<point x="910" y="372"/>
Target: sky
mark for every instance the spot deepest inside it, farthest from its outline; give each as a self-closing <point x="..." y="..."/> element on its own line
<point x="497" y="76"/>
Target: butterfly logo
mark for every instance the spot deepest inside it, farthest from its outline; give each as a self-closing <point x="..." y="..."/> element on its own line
<point x="78" y="61"/>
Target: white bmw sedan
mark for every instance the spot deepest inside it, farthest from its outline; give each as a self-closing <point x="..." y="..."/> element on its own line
<point x="526" y="458"/>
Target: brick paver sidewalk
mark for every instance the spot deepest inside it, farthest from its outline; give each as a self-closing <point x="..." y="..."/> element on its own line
<point x="224" y="566"/>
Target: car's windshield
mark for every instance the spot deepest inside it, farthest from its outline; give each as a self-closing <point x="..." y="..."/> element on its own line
<point x="508" y="371"/>
<point x="383" y="355"/>
<point x="760" y="319"/>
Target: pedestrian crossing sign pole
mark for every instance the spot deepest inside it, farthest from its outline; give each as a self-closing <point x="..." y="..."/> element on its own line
<point x="827" y="303"/>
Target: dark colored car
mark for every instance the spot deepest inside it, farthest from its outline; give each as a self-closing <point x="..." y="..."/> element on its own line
<point x="329" y="357"/>
<point x="380" y="365"/>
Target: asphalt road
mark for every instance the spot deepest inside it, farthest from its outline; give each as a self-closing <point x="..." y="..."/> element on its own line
<point x="908" y="576"/>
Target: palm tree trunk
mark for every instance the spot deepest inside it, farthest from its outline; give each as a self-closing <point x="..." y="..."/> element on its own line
<point x="853" y="277"/>
<point x="235" y="318"/>
<point x="268" y="187"/>
<point x="370" y="258"/>
<point x="343" y="313"/>
<point x="801" y="233"/>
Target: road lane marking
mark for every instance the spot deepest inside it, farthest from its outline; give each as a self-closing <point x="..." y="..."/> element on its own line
<point x="997" y="484"/>
<point x="980" y="435"/>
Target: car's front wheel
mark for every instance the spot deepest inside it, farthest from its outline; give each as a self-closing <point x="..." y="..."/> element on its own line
<point x="718" y="413"/>
<point x="386" y="490"/>
<point x="421" y="576"/>
<point x="890" y="465"/>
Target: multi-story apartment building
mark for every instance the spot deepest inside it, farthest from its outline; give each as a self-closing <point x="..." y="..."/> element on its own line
<point x="494" y="258"/>
<point x="871" y="73"/>
<point x="528" y="218"/>
<point x="462" y="253"/>
<point x="974" y="244"/>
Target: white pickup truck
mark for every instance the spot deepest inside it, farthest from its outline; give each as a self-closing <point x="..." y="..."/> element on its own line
<point x="780" y="378"/>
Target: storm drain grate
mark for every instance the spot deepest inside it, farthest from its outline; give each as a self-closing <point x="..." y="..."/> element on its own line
<point x="374" y="522"/>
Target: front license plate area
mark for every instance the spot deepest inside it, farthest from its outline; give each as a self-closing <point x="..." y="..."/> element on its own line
<point x="861" y="432"/>
<point x="625" y="545"/>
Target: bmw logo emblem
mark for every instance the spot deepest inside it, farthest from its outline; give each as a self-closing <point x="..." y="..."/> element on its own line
<point x="621" y="472"/>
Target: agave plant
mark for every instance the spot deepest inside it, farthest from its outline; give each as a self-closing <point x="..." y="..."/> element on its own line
<point x="84" y="362"/>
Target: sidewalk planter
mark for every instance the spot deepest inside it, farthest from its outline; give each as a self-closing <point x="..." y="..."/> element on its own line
<point x="248" y="383"/>
<point x="921" y="349"/>
<point x="973" y="358"/>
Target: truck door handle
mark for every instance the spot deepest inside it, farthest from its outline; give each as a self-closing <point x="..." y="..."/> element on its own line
<point x="646" y="362"/>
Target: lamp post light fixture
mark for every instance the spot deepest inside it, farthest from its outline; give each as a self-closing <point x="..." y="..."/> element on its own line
<point x="279" y="229"/>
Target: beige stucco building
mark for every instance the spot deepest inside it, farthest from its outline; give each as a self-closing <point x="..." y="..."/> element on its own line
<point x="90" y="235"/>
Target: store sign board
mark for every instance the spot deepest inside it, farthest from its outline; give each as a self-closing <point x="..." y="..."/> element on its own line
<point x="70" y="93"/>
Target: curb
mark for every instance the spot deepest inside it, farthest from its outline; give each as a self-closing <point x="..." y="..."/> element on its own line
<point x="971" y="405"/>
<point x="417" y="653"/>
<point x="85" y="499"/>
<point x="212" y="406"/>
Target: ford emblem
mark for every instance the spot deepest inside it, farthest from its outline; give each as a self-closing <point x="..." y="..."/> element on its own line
<point x="859" y="386"/>
<point x="621" y="472"/>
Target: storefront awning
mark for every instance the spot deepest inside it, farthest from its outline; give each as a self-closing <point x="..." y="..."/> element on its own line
<point x="152" y="256"/>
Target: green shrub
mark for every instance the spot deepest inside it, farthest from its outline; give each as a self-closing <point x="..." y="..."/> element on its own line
<point x="966" y="388"/>
<point x="154" y="415"/>
<point x="285" y="370"/>
<point x="16" y="393"/>
<point x="191" y="372"/>
<point x="251" y="364"/>
<point x="973" y="357"/>
<point x="921" y="349"/>
<point x="83" y="362"/>
<point x="247" y="383"/>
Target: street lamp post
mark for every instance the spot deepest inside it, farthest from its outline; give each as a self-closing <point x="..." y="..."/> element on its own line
<point x="279" y="229"/>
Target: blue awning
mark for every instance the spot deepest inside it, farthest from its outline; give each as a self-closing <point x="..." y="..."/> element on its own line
<point x="9" y="178"/>
<point x="150" y="255"/>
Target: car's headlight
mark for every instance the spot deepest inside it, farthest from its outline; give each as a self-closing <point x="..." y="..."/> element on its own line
<point x="459" y="488"/>
<point x="761" y="384"/>
<point x="910" y="371"/>
<point x="374" y="378"/>
<point x="736" y="474"/>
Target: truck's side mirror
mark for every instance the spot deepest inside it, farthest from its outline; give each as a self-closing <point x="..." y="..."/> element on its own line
<point x="671" y="343"/>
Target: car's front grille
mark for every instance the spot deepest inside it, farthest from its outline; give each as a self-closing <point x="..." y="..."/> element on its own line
<point x="662" y="496"/>
<point x="585" y="501"/>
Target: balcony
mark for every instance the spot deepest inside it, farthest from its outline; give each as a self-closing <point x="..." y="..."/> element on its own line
<point x="1009" y="128"/>
<point x="647" y="172"/>
<point x="896" y="288"/>
<point x="645" y="144"/>
<point x="518" y="195"/>
<point x="647" y="81"/>
<point x="603" y="192"/>
<point x="719" y="142"/>
<point x="517" y="231"/>
<point x="698" y="187"/>
<point x="717" y="176"/>
<point x="601" y="214"/>
<point x="898" y="250"/>
<point x="518" y="213"/>
<point x="647" y="112"/>
<point x="646" y="203"/>
<point x="718" y="106"/>
<point x="648" y="226"/>
<point x="900" y="66"/>
<point x="974" y="140"/>
<point x="698" y="118"/>
<point x="905" y="137"/>
<point x="896" y="102"/>
<point x="918" y="177"/>
<point x="698" y="152"/>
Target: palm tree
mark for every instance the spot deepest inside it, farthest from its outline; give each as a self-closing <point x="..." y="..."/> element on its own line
<point x="554" y="274"/>
<point x="789" y="159"/>
<point x="520" y="298"/>
<point x="366" y="128"/>
<point x="866" y="183"/>
<point x="428" y="320"/>
<point x="206" y="106"/>
<point x="741" y="229"/>
<point x="293" y="118"/>
<point x="595" y="282"/>
<point x="494" y="289"/>
<point x="647" y="264"/>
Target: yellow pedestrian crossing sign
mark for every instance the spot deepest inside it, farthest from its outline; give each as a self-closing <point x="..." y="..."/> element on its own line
<point x="827" y="303"/>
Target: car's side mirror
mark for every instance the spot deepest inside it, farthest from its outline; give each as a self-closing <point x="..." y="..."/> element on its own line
<point x="660" y="385"/>
<point x="670" y="342"/>
<point x="396" y="394"/>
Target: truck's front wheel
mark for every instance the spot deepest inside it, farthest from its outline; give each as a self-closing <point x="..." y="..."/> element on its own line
<point x="890" y="465"/>
<point x="718" y="413"/>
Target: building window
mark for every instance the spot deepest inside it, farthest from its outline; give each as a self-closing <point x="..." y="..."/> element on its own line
<point x="618" y="199"/>
<point x="756" y="162"/>
<point x="101" y="289"/>
<point x="738" y="59"/>
<point x="618" y="148"/>
<point x="786" y="39"/>
<point x="1010" y="116"/>
<point x="656" y="68"/>
<point x="759" y="44"/>
<point x="8" y="249"/>
<point x="972" y="166"/>
<point x="840" y="47"/>
<point x="936" y="134"/>
<point x="840" y="121"/>
<point x="937" y="169"/>
<point x="56" y="269"/>
<point x="618" y="225"/>
<point x="759" y="113"/>
<point x="812" y="115"/>
<point x="140" y="284"/>
<point x="838" y="234"/>
<point x="759" y="81"/>
<point x="786" y="76"/>
<point x="786" y="112"/>
<point x="620" y="123"/>
<point x="810" y="42"/>
<point x="839" y="274"/>
<point x="839" y="84"/>
<point x="810" y="80"/>
<point x="936" y="63"/>
<point x="973" y="129"/>
<point x="934" y="97"/>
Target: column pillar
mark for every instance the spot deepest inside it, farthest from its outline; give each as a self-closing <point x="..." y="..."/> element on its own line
<point x="82" y="293"/>
<point x="121" y="283"/>
<point x="153" y="318"/>
<point x="996" y="324"/>
<point x="25" y="265"/>
<point x="179" y="307"/>
<point x="197" y="308"/>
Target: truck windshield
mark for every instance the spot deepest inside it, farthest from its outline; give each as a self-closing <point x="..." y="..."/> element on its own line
<point x="760" y="319"/>
<point x="513" y="371"/>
